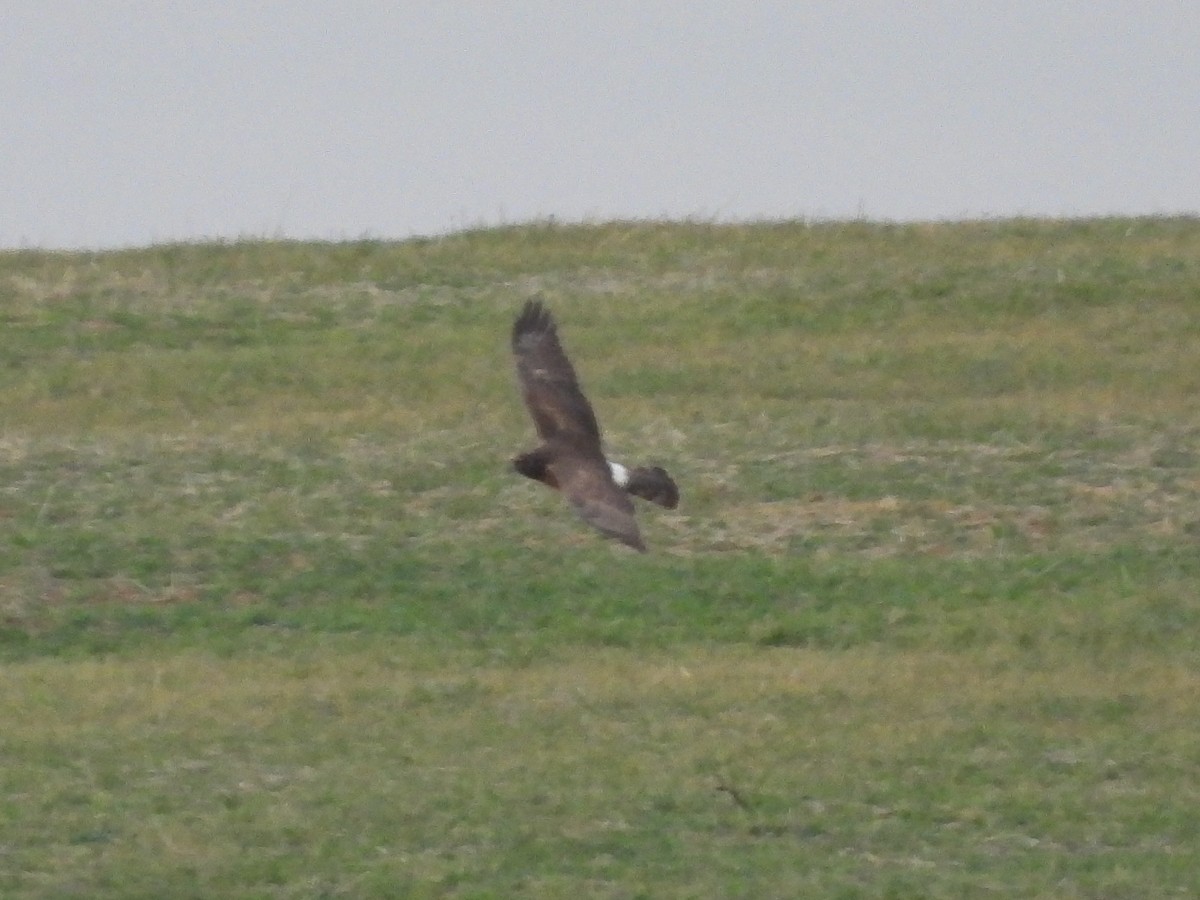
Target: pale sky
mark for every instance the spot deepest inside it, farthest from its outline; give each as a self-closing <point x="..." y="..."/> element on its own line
<point x="130" y="123"/>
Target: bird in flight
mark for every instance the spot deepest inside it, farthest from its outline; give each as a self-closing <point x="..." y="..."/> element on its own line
<point x="570" y="458"/>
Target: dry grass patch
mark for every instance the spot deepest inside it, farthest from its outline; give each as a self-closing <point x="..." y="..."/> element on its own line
<point x="940" y="498"/>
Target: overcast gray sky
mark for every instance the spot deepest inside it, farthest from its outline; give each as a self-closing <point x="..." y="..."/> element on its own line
<point x="127" y="123"/>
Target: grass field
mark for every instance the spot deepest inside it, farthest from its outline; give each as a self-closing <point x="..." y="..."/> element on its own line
<point x="278" y="621"/>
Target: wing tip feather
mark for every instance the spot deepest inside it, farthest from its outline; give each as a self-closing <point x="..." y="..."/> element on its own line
<point x="534" y="319"/>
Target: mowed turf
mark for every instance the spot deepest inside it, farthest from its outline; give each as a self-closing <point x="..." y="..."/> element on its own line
<point x="277" y="620"/>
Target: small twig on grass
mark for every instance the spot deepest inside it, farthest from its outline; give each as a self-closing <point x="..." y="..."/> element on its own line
<point x="735" y="795"/>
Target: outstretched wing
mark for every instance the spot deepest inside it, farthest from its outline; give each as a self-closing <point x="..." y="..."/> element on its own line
<point x="589" y="488"/>
<point x="560" y="410"/>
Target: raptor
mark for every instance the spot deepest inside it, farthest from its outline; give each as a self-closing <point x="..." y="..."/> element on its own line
<point x="571" y="458"/>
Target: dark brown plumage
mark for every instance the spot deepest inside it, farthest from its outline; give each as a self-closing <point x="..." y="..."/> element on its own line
<point x="571" y="458"/>
<point x="654" y="484"/>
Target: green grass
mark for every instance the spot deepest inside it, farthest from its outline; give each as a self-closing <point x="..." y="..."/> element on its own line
<point x="277" y="620"/>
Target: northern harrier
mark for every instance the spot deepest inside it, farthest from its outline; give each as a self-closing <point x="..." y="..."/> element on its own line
<point x="570" y="458"/>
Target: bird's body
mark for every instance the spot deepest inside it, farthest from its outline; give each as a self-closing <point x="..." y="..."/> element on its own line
<point x="571" y="458"/>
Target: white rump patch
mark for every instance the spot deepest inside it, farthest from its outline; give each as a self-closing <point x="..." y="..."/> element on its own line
<point x="620" y="474"/>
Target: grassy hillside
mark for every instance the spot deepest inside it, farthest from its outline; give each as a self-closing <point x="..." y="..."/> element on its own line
<point x="277" y="620"/>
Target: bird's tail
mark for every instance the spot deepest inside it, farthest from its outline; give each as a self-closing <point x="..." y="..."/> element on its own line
<point x="654" y="484"/>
